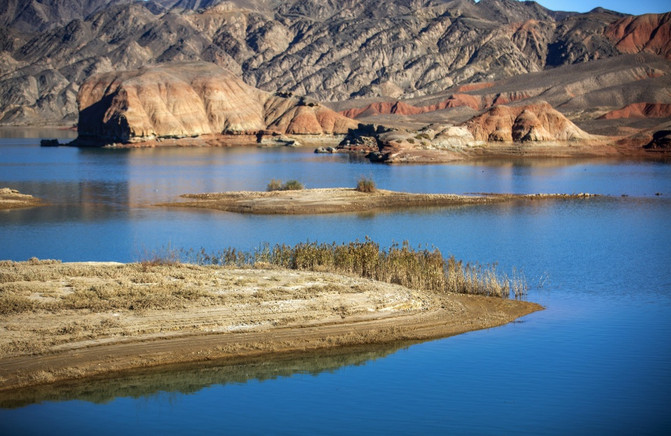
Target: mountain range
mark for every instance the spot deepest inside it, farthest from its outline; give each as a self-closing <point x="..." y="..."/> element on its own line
<point x="435" y="55"/>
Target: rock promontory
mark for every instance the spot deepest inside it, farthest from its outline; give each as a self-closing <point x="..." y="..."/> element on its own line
<point x="533" y="130"/>
<point x="192" y="99"/>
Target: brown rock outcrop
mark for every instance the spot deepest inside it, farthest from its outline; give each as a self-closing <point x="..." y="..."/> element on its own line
<point x="640" y="110"/>
<point x="538" y="122"/>
<point x="192" y="99"/>
<point x="297" y="117"/>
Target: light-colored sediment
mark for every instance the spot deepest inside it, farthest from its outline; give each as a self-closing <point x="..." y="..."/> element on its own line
<point x="75" y="320"/>
<point x="341" y="200"/>
<point x="13" y="199"/>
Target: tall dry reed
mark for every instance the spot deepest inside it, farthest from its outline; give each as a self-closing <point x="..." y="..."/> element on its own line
<point x="400" y="264"/>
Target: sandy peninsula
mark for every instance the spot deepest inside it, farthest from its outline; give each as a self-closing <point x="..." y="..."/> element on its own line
<point x="65" y="321"/>
<point x="13" y="199"/>
<point x="341" y="200"/>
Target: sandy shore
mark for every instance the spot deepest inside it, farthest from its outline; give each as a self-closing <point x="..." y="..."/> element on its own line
<point x="338" y="200"/>
<point x="13" y="199"/>
<point x="76" y="320"/>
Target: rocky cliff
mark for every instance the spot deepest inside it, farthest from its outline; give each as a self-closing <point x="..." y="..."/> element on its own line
<point x="192" y="99"/>
<point x="326" y="50"/>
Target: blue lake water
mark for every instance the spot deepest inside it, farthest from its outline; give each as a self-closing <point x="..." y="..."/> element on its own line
<point x="597" y="360"/>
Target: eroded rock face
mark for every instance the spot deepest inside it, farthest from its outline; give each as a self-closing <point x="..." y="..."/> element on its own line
<point x="538" y="122"/>
<point x="301" y="117"/>
<point x="192" y="99"/>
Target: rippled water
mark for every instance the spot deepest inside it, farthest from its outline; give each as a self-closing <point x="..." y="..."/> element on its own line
<point x="595" y="361"/>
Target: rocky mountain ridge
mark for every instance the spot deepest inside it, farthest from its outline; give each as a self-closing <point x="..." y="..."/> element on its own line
<point x="326" y="50"/>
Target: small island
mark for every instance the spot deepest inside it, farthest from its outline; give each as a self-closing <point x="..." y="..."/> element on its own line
<point x="13" y="199"/>
<point x="342" y="200"/>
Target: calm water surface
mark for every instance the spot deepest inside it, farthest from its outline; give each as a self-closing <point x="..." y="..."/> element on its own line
<point x="597" y="360"/>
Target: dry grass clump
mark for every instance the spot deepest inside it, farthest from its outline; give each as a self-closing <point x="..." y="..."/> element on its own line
<point x="290" y="185"/>
<point x="163" y="256"/>
<point x="399" y="264"/>
<point x="14" y="303"/>
<point x="365" y="184"/>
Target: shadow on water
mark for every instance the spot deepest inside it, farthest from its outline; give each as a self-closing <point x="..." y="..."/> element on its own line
<point x="191" y="378"/>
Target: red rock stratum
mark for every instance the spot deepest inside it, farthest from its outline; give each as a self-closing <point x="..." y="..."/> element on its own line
<point x="640" y="110"/>
<point x="402" y="108"/>
<point x="644" y="33"/>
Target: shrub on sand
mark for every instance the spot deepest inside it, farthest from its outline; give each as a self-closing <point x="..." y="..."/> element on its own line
<point x="291" y="185"/>
<point x="365" y="185"/>
<point x="274" y="185"/>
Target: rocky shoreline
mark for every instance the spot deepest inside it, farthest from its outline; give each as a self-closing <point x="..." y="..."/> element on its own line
<point x="393" y="146"/>
<point x="13" y="199"/>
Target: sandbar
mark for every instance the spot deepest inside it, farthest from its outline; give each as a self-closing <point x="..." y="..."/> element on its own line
<point x="67" y="321"/>
<point x="341" y="200"/>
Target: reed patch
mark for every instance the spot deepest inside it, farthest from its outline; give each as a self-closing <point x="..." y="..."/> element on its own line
<point x="415" y="268"/>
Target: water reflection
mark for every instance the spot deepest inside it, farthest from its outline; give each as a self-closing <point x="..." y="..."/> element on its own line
<point x="187" y="379"/>
<point x="38" y="132"/>
<point x="71" y="201"/>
